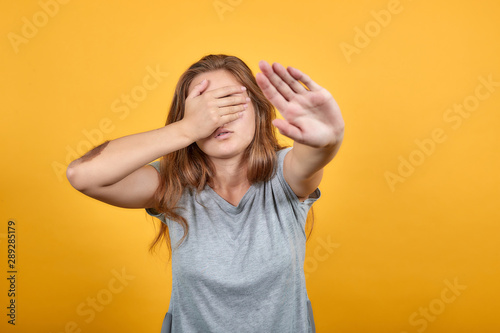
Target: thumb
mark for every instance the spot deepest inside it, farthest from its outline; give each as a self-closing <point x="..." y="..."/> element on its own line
<point x="199" y="89"/>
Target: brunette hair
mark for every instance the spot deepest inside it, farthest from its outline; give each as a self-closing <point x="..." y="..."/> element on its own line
<point x="190" y="167"/>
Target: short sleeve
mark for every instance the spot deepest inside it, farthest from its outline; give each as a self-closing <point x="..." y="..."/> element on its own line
<point x="307" y="203"/>
<point x="152" y="211"/>
<point x="156" y="165"/>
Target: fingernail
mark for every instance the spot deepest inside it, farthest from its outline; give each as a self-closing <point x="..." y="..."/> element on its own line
<point x="243" y="88"/>
<point x="248" y="99"/>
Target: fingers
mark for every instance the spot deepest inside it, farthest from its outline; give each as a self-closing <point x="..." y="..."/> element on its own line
<point x="201" y="87"/>
<point x="232" y="100"/>
<point x="228" y="90"/>
<point x="231" y="117"/>
<point x="232" y="109"/>
<point x="270" y="91"/>
<point x="227" y="99"/>
<point x="281" y="86"/>
<point x="231" y="106"/>
<point x="288" y="81"/>
<point x="230" y="113"/>
<point x="298" y="75"/>
<point x="284" y="75"/>
<point x="198" y="89"/>
<point x="229" y="96"/>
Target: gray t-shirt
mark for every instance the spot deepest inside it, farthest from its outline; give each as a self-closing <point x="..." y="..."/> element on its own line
<point x="241" y="268"/>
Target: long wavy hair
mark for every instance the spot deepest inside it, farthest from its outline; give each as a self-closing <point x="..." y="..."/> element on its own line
<point x="190" y="166"/>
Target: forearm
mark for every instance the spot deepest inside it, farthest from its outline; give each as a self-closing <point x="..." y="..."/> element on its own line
<point x="307" y="161"/>
<point x="116" y="159"/>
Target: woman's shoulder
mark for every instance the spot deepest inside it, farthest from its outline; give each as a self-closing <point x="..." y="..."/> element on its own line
<point x="280" y="157"/>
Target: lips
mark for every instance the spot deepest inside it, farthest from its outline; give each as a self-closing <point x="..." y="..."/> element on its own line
<point x="221" y="131"/>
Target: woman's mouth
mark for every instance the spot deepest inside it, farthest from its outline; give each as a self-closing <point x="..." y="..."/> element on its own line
<point x="222" y="133"/>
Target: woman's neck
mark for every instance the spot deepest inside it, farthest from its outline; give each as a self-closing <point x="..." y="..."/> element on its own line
<point x="230" y="174"/>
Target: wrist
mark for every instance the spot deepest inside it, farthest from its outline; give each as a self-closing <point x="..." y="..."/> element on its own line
<point x="183" y="132"/>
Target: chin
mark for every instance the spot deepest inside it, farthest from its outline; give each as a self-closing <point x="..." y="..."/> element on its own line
<point x="220" y="150"/>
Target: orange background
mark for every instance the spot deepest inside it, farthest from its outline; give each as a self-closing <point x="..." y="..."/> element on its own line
<point x="406" y="234"/>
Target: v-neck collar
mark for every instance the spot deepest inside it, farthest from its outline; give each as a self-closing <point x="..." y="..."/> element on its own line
<point x="228" y="207"/>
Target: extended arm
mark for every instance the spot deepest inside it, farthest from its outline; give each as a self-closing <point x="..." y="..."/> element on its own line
<point x="312" y="119"/>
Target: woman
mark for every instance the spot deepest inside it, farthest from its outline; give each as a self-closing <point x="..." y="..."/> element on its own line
<point x="232" y="201"/>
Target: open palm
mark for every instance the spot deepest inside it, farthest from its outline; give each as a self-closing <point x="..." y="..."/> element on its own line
<point x="311" y="115"/>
